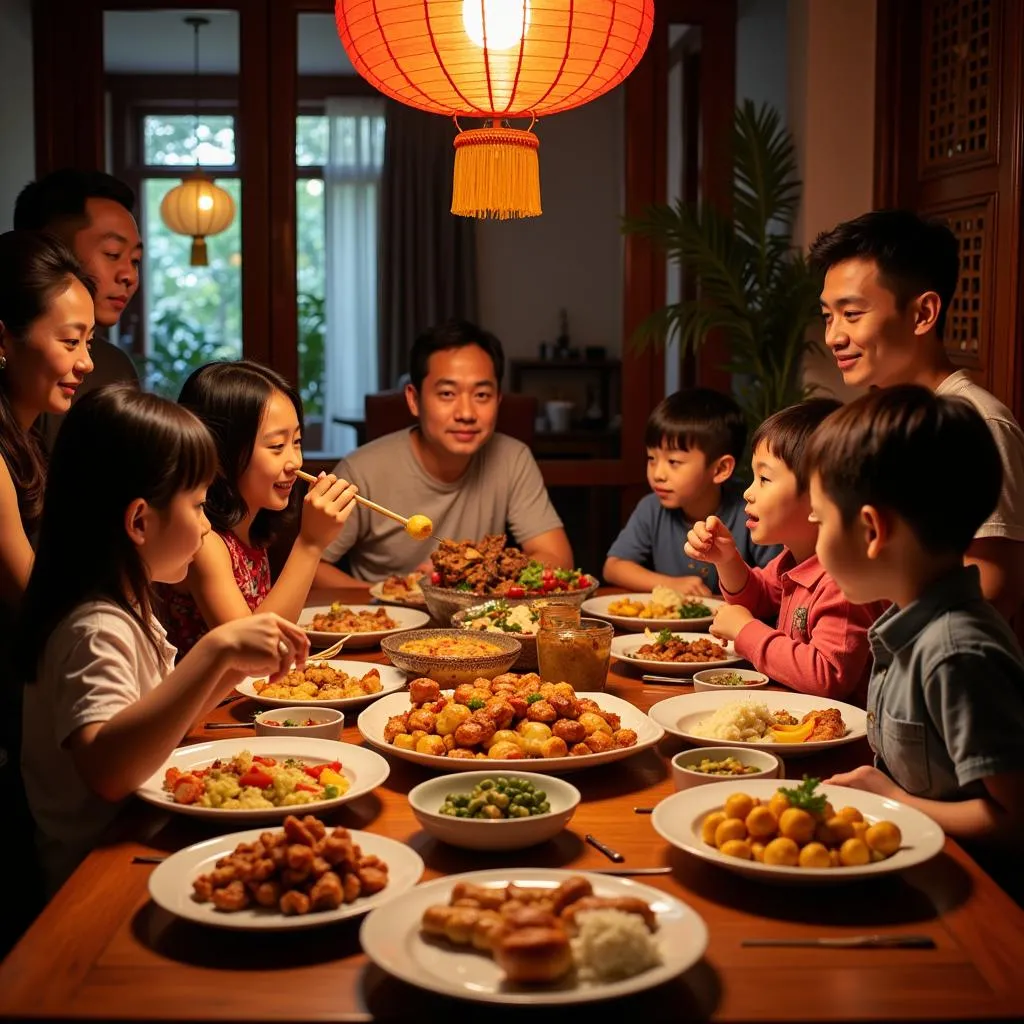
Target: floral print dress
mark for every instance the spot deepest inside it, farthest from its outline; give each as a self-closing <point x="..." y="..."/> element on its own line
<point x="180" y="614"/>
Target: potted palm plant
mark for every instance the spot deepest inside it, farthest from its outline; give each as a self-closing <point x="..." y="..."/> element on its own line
<point x="752" y="283"/>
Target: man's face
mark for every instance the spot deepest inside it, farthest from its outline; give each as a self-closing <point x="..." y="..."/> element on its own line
<point x="110" y="251"/>
<point x="457" y="404"/>
<point x="873" y="341"/>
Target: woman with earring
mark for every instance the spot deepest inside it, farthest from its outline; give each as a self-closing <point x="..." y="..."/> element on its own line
<point x="46" y="327"/>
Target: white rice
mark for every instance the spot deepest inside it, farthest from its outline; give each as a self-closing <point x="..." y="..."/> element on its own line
<point x="739" y="720"/>
<point x="612" y="944"/>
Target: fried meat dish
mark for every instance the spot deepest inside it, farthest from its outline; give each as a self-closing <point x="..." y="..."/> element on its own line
<point x="342" y="619"/>
<point x="682" y="651"/>
<point x="480" y="566"/>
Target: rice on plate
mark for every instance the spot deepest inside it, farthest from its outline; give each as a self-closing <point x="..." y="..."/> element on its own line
<point x="740" y="720"/>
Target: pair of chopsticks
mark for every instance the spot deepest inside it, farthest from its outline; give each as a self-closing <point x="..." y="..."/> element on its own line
<point x="419" y="529"/>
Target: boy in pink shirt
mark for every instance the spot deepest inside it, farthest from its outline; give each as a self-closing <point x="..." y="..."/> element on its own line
<point x="819" y="645"/>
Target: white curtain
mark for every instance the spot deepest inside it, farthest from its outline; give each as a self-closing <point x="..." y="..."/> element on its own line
<point x="351" y="197"/>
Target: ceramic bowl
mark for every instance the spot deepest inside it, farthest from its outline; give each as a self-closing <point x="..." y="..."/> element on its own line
<point x="499" y="834"/>
<point x="768" y="765"/>
<point x="452" y="670"/>
<point x="444" y="602"/>
<point x="527" y="660"/>
<point x="751" y="680"/>
<point x="329" y="722"/>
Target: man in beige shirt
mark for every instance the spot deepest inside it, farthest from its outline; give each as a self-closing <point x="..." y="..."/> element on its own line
<point x="889" y="280"/>
<point x="91" y="212"/>
<point x="451" y="467"/>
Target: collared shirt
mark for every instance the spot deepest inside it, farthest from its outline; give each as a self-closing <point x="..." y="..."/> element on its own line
<point x="820" y="644"/>
<point x="654" y="537"/>
<point x="946" y="698"/>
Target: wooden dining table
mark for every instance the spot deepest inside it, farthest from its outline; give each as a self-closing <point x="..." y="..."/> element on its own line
<point x="102" y="950"/>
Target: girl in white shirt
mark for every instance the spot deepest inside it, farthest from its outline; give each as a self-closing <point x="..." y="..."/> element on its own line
<point x="123" y="509"/>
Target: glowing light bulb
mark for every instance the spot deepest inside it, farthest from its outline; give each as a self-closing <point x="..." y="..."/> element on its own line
<point x="504" y="22"/>
<point x="205" y="202"/>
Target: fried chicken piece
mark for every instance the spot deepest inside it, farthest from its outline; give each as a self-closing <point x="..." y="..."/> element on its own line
<point x="294" y="902"/>
<point x="828" y="725"/>
<point x="232" y="897"/>
<point x="326" y="893"/>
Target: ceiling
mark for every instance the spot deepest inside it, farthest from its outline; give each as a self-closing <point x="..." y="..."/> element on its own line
<point x="159" y="42"/>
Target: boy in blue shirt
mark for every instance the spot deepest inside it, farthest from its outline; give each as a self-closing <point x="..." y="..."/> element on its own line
<point x="693" y="439"/>
<point x="946" y="695"/>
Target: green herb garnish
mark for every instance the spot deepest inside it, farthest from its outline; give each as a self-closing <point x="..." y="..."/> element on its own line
<point x="288" y="721"/>
<point x="463" y="586"/>
<point x="693" y="610"/>
<point x="804" y="796"/>
<point x="532" y="577"/>
<point x="533" y="698"/>
<point x="475" y="704"/>
<point x="664" y="637"/>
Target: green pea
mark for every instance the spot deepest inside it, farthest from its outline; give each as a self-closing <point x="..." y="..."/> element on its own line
<point x="461" y="800"/>
<point x="544" y="808"/>
<point x="516" y="811"/>
<point x="486" y="784"/>
<point x="461" y="812"/>
<point x="540" y="795"/>
<point x="499" y="800"/>
<point x="475" y="804"/>
<point x="502" y="781"/>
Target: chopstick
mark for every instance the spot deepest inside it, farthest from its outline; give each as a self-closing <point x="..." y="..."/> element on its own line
<point x="331" y="651"/>
<point x="229" y="725"/>
<point x="365" y="502"/>
<point x="679" y="680"/>
<point x="629" y="871"/>
<point x="611" y="854"/>
<point x="147" y="859"/>
<point x="852" y="942"/>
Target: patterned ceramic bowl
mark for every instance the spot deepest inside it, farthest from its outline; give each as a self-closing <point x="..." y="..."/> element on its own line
<point x="444" y="602"/>
<point x="451" y="670"/>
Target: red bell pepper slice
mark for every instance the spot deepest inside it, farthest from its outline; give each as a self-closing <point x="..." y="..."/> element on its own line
<point x="254" y="777"/>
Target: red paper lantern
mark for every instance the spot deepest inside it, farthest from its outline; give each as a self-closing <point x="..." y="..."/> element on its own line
<point x="495" y="59"/>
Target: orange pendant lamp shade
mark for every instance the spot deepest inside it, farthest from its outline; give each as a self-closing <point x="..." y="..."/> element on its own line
<point x="498" y="60"/>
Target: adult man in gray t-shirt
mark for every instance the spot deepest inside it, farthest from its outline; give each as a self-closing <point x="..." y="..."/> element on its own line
<point x="451" y="467"/>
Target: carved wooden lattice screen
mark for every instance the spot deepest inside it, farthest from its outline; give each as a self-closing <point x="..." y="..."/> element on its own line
<point x="958" y="83"/>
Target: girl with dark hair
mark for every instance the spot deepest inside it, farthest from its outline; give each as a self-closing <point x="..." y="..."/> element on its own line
<point x="255" y="417"/>
<point x="46" y="326"/>
<point x="105" y="706"/>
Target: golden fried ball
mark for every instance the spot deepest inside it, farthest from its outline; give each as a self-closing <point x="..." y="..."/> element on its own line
<point x="731" y="828"/>
<point x="796" y="824"/>
<point x="860" y="829"/>
<point x="736" y="848"/>
<point x="854" y="852"/>
<point x="884" y="837"/>
<point x="710" y="823"/>
<point x="778" y="803"/>
<point x="815" y="855"/>
<point x="782" y="852"/>
<point x="757" y="852"/>
<point x="739" y="805"/>
<point x="761" y="823"/>
<point x="834" y="832"/>
<point x="851" y="814"/>
<point x="419" y="527"/>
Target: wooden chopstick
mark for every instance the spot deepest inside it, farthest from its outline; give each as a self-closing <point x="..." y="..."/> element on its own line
<point x="365" y="502"/>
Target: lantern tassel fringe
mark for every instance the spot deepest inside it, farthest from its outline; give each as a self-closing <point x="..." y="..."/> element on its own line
<point x="497" y="174"/>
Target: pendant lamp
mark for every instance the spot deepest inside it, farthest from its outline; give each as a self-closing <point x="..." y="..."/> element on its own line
<point x="498" y="60"/>
<point x="197" y="207"/>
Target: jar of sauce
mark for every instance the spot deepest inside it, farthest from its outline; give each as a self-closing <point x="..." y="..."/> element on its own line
<point x="577" y="654"/>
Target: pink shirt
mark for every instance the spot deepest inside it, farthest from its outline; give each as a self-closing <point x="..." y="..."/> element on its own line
<point x="820" y="645"/>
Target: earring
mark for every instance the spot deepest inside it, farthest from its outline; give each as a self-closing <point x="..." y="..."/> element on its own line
<point x="3" y="362"/>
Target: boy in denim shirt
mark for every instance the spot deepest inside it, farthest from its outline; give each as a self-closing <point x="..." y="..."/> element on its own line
<point x="693" y="439"/>
<point x="946" y="697"/>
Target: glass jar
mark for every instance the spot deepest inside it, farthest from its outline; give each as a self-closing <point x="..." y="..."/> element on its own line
<point x="575" y="654"/>
<point x="555" y="614"/>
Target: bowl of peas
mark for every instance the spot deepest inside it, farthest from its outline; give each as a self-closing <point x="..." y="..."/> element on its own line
<point x="494" y="810"/>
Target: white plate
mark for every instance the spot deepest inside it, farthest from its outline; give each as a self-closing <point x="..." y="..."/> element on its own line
<point x="415" y="601"/>
<point x="677" y="819"/>
<point x="372" y="721"/>
<point x="391" y="679"/>
<point x="407" y="618"/>
<point x="624" y="646"/>
<point x="364" y="770"/>
<point x="677" y="715"/>
<point x="170" y="885"/>
<point x="391" y="937"/>
<point x="599" y="606"/>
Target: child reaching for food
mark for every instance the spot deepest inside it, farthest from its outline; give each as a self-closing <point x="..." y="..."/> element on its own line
<point x="946" y="698"/>
<point x="104" y="706"/>
<point x="255" y="418"/>
<point x="819" y="644"/>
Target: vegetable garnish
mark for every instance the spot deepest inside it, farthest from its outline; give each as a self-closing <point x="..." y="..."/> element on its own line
<point x="804" y="796"/>
<point x="475" y="704"/>
<point x="533" y="698"/>
<point x="664" y="637"/>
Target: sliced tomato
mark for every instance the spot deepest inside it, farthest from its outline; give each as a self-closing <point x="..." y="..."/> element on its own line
<point x="583" y="582"/>
<point x="306" y="788"/>
<point x="254" y="777"/>
<point x="435" y="578"/>
<point x="516" y="591"/>
<point x="267" y="762"/>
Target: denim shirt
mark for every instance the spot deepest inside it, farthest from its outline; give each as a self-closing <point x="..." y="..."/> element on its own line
<point x="946" y="696"/>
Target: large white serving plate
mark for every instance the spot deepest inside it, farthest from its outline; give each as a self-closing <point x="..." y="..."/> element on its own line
<point x="391" y="679"/>
<point x="170" y="885"/>
<point x="598" y="606"/>
<point x="391" y="937"/>
<point x="372" y="721"/>
<point x="677" y="819"/>
<point x="623" y="648"/>
<point x="364" y="770"/>
<point x="407" y="618"/>
<point x="678" y="715"/>
<point x="415" y="600"/>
